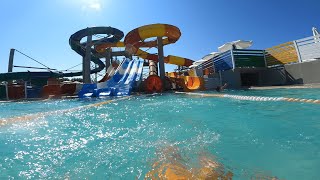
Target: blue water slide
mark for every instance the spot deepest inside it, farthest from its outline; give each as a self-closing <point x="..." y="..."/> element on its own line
<point x="93" y="90"/>
<point x="87" y="90"/>
<point x="125" y="78"/>
<point x="107" y="88"/>
<point x="126" y="73"/>
<point x="124" y="88"/>
<point x="139" y="73"/>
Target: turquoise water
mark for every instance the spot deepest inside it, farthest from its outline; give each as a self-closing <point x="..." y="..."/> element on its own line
<point x="122" y="140"/>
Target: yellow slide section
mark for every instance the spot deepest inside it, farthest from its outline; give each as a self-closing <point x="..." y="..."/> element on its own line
<point x="189" y="83"/>
<point x="135" y="39"/>
<point x="193" y="83"/>
<point x="154" y="30"/>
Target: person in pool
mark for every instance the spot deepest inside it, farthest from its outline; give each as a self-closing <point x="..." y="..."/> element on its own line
<point x="221" y="88"/>
<point x="171" y="164"/>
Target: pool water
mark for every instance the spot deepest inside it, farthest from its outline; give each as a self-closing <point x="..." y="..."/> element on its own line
<point x="124" y="139"/>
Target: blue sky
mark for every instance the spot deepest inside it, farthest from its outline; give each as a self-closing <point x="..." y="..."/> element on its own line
<point x="41" y="28"/>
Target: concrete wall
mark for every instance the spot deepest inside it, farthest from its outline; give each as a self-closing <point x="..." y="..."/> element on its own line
<point x="304" y="73"/>
<point x="199" y="71"/>
<point x="266" y="77"/>
<point x="272" y="77"/>
<point x="211" y="83"/>
<point x="3" y="92"/>
<point x="301" y="73"/>
<point x="232" y="78"/>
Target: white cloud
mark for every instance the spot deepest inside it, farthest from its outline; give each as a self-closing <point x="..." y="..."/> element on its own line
<point x="95" y="5"/>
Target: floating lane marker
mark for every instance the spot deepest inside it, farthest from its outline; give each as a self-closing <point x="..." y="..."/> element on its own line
<point x="253" y="98"/>
<point x="30" y="117"/>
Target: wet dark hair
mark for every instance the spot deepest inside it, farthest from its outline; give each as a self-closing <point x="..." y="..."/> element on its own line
<point x="218" y="88"/>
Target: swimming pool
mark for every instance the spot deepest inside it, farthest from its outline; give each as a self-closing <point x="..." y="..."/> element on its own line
<point x="123" y="139"/>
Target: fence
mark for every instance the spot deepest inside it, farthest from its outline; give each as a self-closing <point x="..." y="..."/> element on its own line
<point x="223" y="61"/>
<point x="301" y="50"/>
<point x="308" y="48"/>
<point x="281" y="54"/>
<point x="204" y="68"/>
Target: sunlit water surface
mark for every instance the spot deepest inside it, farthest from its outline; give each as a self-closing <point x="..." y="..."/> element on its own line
<point x="123" y="139"/>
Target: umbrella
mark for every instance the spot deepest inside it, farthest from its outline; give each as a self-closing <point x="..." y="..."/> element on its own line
<point x="239" y="44"/>
<point x="315" y="33"/>
<point x="199" y="61"/>
<point x="210" y="56"/>
<point x="205" y="58"/>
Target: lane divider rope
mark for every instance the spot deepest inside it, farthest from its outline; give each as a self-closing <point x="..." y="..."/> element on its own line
<point x="254" y="98"/>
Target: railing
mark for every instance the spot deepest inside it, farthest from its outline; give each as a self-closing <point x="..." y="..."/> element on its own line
<point x="204" y="68"/>
<point x="223" y="61"/>
<point x="205" y="65"/>
<point x="308" y="48"/>
<point x="281" y="54"/>
<point x="301" y="50"/>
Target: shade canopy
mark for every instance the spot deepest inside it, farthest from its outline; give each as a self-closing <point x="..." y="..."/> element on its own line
<point x="210" y="56"/>
<point x="315" y="31"/>
<point x="239" y="44"/>
<point x="204" y="59"/>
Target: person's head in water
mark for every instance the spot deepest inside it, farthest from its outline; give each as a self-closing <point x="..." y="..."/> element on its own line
<point x="221" y="88"/>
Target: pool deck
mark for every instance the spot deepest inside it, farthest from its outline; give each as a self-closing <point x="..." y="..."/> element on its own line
<point x="297" y="86"/>
<point x="38" y="99"/>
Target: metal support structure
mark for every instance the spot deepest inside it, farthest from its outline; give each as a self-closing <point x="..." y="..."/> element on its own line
<point x="108" y="57"/>
<point x="25" y="90"/>
<point x="161" y="59"/>
<point x="7" y="91"/>
<point x="86" y="61"/>
<point x="36" y="68"/>
<point x="232" y="57"/>
<point x="264" y="58"/>
<point x="297" y="50"/>
<point x="95" y="74"/>
<point x="220" y="78"/>
<point x="127" y="55"/>
<point x="152" y="68"/>
<point x="10" y="64"/>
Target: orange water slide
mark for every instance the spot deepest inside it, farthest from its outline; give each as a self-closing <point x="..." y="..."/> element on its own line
<point x="189" y="83"/>
<point x="193" y="83"/>
<point x="153" y="84"/>
<point x="110" y="72"/>
<point x="101" y="47"/>
<point x="135" y="39"/>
